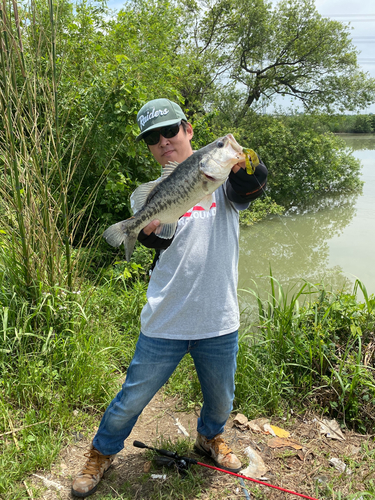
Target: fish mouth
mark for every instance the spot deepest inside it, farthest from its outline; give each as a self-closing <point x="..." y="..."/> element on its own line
<point x="210" y="178"/>
<point x="238" y="149"/>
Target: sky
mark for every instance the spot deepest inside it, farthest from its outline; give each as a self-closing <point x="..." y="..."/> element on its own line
<point x="360" y="14"/>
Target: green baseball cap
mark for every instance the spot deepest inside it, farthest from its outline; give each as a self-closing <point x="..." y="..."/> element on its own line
<point x="158" y="113"/>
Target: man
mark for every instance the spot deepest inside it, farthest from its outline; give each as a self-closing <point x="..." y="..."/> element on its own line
<point x="191" y="305"/>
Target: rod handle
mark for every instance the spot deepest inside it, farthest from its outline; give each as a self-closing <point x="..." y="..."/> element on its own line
<point x="139" y="444"/>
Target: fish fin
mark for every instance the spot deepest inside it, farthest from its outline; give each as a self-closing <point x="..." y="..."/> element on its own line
<point x="206" y="202"/>
<point x="166" y="231"/>
<point x="117" y="234"/>
<point x="129" y="245"/>
<point x="139" y="196"/>
<point x="169" y="168"/>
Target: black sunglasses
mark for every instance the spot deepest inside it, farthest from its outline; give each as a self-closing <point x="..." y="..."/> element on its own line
<point x="151" y="138"/>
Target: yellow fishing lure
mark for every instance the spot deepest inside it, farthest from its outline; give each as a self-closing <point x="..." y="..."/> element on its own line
<point x="252" y="160"/>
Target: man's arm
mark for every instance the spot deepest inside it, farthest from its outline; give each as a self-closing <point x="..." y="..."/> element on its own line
<point x="242" y="187"/>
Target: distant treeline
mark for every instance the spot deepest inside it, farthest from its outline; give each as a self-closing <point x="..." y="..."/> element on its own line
<point x="354" y="124"/>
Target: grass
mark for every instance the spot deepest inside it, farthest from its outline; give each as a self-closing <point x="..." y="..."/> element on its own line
<point x="65" y="353"/>
<point x="63" y="339"/>
<point x="313" y="348"/>
<point x="45" y="378"/>
<point x="171" y="488"/>
<point x="40" y="175"/>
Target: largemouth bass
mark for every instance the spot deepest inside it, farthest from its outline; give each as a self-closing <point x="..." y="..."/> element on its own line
<point x="181" y="186"/>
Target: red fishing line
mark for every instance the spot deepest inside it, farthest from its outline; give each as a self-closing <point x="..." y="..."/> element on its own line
<point x="256" y="481"/>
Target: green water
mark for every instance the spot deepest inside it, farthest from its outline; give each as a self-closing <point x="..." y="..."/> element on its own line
<point x="331" y="243"/>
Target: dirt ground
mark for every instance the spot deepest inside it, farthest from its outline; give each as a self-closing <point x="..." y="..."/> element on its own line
<point x="306" y="470"/>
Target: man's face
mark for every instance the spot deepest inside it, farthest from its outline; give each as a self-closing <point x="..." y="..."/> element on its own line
<point x="177" y="148"/>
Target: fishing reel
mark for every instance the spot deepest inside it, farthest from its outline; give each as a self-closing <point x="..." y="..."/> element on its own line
<point x="169" y="459"/>
<point x="180" y="465"/>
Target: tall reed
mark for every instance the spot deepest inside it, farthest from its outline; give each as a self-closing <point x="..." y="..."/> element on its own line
<point x="37" y="224"/>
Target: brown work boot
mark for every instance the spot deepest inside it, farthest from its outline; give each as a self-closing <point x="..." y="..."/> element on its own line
<point x="217" y="449"/>
<point x="87" y="480"/>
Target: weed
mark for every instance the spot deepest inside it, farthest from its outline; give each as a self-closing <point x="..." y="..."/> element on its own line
<point x="76" y="366"/>
<point x="309" y="351"/>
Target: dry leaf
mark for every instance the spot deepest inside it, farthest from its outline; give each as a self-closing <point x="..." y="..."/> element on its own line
<point x="268" y="429"/>
<point x="254" y="427"/>
<point x="352" y="450"/>
<point x="260" y="421"/>
<point x="331" y="429"/>
<point x="241" y="422"/>
<point x="147" y="466"/>
<point x="240" y="419"/>
<point x="283" y="443"/>
<point x="280" y="432"/>
<point x="301" y="455"/>
<point x="49" y="484"/>
<point x="181" y="428"/>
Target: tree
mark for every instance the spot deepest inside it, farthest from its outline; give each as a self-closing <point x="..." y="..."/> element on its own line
<point x="304" y="163"/>
<point x="362" y="124"/>
<point x="263" y="50"/>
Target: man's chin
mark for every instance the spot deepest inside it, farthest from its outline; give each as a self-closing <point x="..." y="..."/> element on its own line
<point x="168" y="157"/>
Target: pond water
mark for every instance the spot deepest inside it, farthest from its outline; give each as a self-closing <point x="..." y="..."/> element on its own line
<point x="332" y="242"/>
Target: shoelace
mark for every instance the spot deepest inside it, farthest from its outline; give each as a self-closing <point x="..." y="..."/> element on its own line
<point x="94" y="462"/>
<point x="220" y="446"/>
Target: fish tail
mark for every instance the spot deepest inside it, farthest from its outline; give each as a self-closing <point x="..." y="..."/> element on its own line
<point x="117" y="234"/>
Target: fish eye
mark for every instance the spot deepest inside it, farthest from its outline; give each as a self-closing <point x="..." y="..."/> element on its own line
<point x="220" y="144"/>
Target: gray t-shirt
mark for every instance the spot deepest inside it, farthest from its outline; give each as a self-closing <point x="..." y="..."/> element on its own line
<point x="192" y="292"/>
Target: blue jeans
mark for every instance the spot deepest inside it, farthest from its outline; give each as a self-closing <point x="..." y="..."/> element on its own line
<point x="153" y="363"/>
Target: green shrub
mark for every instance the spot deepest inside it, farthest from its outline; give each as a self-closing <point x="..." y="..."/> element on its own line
<point x="303" y="163"/>
<point x="258" y="210"/>
<point x="311" y="347"/>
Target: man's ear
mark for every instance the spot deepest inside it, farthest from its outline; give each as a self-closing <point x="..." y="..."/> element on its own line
<point x="189" y="131"/>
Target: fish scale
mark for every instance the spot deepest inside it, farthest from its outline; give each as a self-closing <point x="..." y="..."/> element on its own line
<point x="181" y="187"/>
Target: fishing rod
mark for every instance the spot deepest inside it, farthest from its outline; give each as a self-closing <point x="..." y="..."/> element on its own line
<point x="182" y="464"/>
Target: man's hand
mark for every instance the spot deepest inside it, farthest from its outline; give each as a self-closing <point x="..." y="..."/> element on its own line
<point x="150" y="228"/>
<point x="239" y="165"/>
<point x="250" y="164"/>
